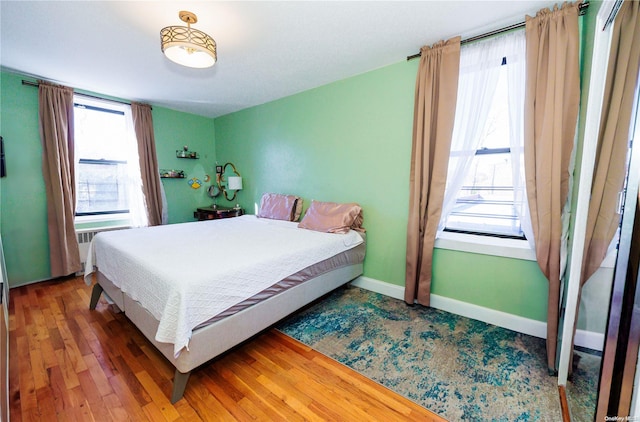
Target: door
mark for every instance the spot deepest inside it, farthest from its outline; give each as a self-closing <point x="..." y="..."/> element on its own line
<point x="622" y="337"/>
<point x="4" y="340"/>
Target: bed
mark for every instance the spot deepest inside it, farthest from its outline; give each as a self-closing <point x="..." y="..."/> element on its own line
<point x="195" y="290"/>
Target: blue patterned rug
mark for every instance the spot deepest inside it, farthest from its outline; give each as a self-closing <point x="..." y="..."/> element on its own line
<point x="582" y="387"/>
<point x="459" y="368"/>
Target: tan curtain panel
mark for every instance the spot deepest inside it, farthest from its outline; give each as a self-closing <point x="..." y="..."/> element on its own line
<point x="552" y="98"/>
<point x="55" y="109"/>
<point x="613" y="139"/>
<point x="434" y="112"/>
<point x="151" y="189"/>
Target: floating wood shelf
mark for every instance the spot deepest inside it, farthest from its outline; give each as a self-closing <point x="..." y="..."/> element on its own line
<point x="187" y="154"/>
<point x="172" y="174"/>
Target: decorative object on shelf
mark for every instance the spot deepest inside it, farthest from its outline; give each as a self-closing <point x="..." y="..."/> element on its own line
<point x="228" y="180"/>
<point x="185" y="153"/>
<point x="172" y="174"/>
<point x="187" y="46"/>
<point x="195" y="183"/>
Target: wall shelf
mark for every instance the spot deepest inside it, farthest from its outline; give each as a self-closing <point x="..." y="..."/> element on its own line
<point x="187" y="154"/>
<point x="172" y="174"/>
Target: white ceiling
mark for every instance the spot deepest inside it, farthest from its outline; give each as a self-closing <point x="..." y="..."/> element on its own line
<point x="266" y="50"/>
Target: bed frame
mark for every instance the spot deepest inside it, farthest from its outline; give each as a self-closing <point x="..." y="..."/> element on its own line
<point x="212" y="340"/>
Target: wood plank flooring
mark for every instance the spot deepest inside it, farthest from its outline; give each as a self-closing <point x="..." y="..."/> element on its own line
<point x="70" y="363"/>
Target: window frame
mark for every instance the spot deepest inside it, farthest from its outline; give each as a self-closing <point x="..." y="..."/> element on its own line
<point x="98" y="216"/>
<point x="471" y="231"/>
<point x="486" y="151"/>
<point x="486" y="245"/>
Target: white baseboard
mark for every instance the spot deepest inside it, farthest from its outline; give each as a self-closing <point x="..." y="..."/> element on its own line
<point x="532" y="327"/>
<point x="377" y="286"/>
<point x="589" y="339"/>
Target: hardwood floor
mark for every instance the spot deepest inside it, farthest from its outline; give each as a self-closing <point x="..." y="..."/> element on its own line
<point x="70" y="363"/>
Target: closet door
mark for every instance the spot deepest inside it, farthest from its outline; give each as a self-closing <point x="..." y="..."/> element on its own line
<point x="622" y="337"/>
<point x="4" y="339"/>
<point x="614" y="64"/>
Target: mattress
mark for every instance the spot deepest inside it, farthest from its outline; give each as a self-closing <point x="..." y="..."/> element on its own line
<point x="185" y="274"/>
<point x="344" y="259"/>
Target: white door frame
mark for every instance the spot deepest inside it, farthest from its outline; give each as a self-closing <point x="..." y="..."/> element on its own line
<point x="599" y="64"/>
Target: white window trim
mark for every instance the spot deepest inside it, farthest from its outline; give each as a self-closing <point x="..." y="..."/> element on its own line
<point x="136" y="214"/>
<point x="507" y="248"/>
<point x="486" y="245"/>
<point x="99" y="218"/>
<point x="475" y="58"/>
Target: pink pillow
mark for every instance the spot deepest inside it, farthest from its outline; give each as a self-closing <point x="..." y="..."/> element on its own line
<point x="332" y="217"/>
<point x="280" y="207"/>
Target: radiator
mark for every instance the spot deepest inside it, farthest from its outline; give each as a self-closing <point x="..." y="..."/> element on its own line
<point x="84" y="239"/>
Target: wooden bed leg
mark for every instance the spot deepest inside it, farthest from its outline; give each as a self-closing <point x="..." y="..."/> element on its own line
<point x="95" y="296"/>
<point x="179" y="383"/>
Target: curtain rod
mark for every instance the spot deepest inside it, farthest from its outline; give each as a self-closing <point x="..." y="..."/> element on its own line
<point x="29" y="83"/>
<point x="582" y="10"/>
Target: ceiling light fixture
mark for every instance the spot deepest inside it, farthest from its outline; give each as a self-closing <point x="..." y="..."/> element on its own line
<point x="187" y="46"/>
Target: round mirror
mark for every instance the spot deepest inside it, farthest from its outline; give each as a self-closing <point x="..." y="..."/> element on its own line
<point x="213" y="191"/>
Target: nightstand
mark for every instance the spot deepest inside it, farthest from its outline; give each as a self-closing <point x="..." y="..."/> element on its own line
<point x="211" y="213"/>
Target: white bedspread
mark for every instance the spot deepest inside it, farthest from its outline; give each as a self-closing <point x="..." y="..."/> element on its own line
<point x="184" y="274"/>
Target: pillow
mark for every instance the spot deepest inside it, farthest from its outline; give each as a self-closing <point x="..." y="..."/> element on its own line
<point x="332" y="217"/>
<point x="280" y="207"/>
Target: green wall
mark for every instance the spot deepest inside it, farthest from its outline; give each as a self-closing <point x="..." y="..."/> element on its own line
<point x="24" y="228"/>
<point x="346" y="141"/>
<point x="22" y="202"/>
<point x="173" y="130"/>
<point x="351" y="141"/>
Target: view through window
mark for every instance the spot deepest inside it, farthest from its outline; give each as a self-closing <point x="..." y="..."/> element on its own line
<point x="485" y="203"/>
<point x="101" y="153"/>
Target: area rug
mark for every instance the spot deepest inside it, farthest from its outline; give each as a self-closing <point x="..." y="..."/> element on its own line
<point x="457" y="367"/>
<point x="582" y="387"/>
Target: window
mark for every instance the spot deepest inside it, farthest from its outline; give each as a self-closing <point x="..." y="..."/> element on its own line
<point x="485" y="187"/>
<point x="485" y="201"/>
<point x="105" y="158"/>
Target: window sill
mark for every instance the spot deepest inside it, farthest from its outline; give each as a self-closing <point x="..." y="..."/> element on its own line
<point x="486" y="245"/>
<point x="508" y="248"/>
<point x="105" y="220"/>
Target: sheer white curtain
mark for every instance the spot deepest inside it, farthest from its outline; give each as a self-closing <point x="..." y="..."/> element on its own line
<point x="480" y="65"/>
<point x="516" y="61"/>
<point x="137" y="212"/>
<point x="165" y="206"/>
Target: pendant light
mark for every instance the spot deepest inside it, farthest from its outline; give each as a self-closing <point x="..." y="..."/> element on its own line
<point x="188" y="46"/>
